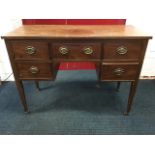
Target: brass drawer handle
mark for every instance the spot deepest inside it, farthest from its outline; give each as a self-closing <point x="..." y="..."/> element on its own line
<point x="118" y="71"/>
<point x="121" y="50"/>
<point x="88" y="50"/>
<point x="34" y="69"/>
<point x="63" y="50"/>
<point x="30" y="50"/>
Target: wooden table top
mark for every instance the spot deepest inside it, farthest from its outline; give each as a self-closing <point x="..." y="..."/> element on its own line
<point x="77" y="31"/>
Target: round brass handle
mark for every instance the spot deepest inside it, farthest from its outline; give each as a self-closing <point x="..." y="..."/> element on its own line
<point x="88" y="50"/>
<point x="63" y="50"/>
<point x="122" y="50"/>
<point x="34" y="69"/>
<point x="30" y="50"/>
<point x="118" y="71"/>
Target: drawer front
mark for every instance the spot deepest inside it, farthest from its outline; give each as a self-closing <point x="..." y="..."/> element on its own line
<point x="30" y="49"/>
<point x="76" y="50"/>
<point x="122" y="49"/>
<point x="30" y="70"/>
<point x="119" y="71"/>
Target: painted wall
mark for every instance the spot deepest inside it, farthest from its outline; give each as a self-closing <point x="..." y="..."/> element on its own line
<point x="146" y="24"/>
<point x="6" y="25"/>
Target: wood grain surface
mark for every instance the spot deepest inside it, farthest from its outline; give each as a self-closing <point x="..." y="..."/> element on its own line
<point x="76" y="31"/>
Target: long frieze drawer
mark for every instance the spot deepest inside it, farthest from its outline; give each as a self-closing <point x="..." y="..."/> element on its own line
<point x="119" y="71"/>
<point x="30" y="70"/>
<point x="122" y="49"/>
<point x="28" y="49"/>
<point x="76" y="50"/>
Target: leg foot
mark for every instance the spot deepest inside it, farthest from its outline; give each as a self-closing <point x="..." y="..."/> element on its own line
<point x="118" y="86"/>
<point x="37" y="85"/>
<point x="98" y="85"/>
<point x="125" y="113"/>
<point x="27" y="112"/>
<point x="21" y="94"/>
<point x="131" y="95"/>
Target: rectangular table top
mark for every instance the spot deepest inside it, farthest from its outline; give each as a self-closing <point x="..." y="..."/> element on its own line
<point x="77" y="31"/>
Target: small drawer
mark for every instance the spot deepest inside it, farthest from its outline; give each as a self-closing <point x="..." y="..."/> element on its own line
<point x="30" y="49"/>
<point x="30" y="70"/>
<point x="122" y="49"/>
<point x="77" y="50"/>
<point x="119" y="71"/>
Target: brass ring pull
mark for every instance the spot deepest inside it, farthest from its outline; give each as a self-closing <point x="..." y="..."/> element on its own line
<point x="30" y="50"/>
<point x="34" y="69"/>
<point x="63" y="50"/>
<point x="88" y="50"/>
<point x="122" y="50"/>
<point x="118" y="71"/>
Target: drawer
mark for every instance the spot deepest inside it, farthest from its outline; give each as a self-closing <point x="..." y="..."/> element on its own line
<point x="28" y="49"/>
<point x="122" y="49"/>
<point x="77" y="50"/>
<point x="111" y="71"/>
<point x="30" y="70"/>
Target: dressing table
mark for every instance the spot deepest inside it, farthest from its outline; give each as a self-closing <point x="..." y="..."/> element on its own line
<point x="36" y="51"/>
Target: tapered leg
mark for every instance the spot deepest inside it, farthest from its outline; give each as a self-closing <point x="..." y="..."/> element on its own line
<point x="118" y="86"/>
<point x="37" y="85"/>
<point x="131" y="96"/>
<point x="20" y="88"/>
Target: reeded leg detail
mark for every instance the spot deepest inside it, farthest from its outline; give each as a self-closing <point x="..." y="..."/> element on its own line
<point x="22" y="94"/>
<point x="131" y="96"/>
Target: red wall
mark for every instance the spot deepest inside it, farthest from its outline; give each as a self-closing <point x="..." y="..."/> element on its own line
<point x="74" y="21"/>
<point x="75" y="65"/>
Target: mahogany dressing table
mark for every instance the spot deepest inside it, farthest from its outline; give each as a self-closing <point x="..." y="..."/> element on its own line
<point x="36" y="51"/>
